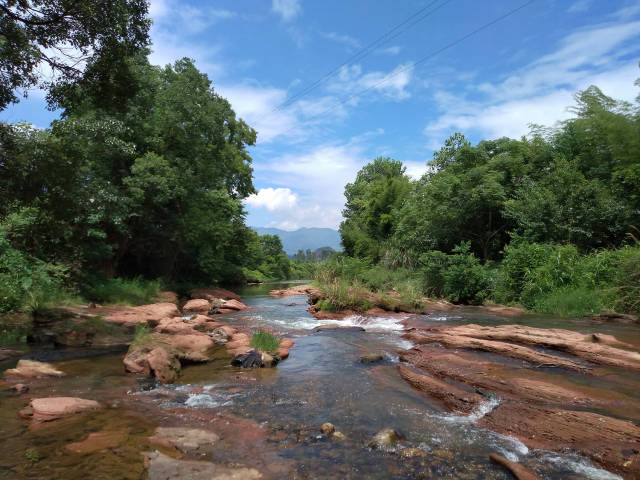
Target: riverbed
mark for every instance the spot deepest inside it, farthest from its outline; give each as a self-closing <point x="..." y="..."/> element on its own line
<point x="270" y="419"/>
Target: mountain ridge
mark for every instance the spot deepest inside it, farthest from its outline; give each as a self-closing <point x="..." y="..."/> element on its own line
<point x="304" y="238"/>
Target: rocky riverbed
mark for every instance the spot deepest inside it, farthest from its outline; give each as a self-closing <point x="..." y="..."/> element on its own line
<point x="383" y="395"/>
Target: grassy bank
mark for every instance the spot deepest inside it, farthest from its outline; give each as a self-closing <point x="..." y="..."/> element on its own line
<point x="544" y="278"/>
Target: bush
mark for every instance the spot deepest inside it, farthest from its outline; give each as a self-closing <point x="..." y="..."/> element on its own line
<point x="569" y="301"/>
<point x="122" y="291"/>
<point x="627" y="281"/>
<point x="265" y="341"/>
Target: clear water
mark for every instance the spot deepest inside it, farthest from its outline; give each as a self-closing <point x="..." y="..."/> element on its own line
<point x="270" y="418"/>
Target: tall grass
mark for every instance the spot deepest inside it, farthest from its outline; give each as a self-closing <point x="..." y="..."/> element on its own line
<point x="123" y="291"/>
<point x="264" y="341"/>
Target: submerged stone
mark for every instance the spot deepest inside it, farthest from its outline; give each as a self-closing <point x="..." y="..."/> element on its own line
<point x="163" y="467"/>
<point x="371" y="358"/>
<point x="184" y="439"/>
<point x="251" y="359"/>
<point x="384" y="439"/>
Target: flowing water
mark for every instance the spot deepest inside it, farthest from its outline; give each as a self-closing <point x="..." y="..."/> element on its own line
<point x="270" y="418"/>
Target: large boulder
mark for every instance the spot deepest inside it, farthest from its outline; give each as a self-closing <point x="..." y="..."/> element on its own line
<point x="213" y="294"/>
<point x="234" y="305"/>
<point x="163" y="467"/>
<point x="145" y="314"/>
<point x="52" y="408"/>
<point x="33" y="369"/>
<point x="198" y="305"/>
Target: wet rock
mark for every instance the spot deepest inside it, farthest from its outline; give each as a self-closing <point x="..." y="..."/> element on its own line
<point x="220" y="335"/>
<point x="268" y="361"/>
<point x="518" y="471"/>
<point x="297" y="290"/>
<point x="32" y="369"/>
<point x="98" y="441"/>
<point x="327" y="428"/>
<point x="6" y="353"/>
<point x="611" y="317"/>
<point x="338" y="436"/>
<point x="213" y="294"/>
<point x="163" y="467"/>
<point x="234" y="305"/>
<point x="609" y="442"/>
<point x="504" y="311"/>
<point x="412" y="452"/>
<point x="286" y="343"/>
<point x="335" y="326"/>
<point x="251" y="359"/>
<point x="192" y="347"/>
<point x="384" y="439"/>
<point x="283" y="353"/>
<point x="451" y="397"/>
<point x="371" y="358"/>
<point x="173" y="326"/>
<point x="199" y="305"/>
<point x="184" y="439"/>
<point x="52" y="408"/>
<point x="19" y="388"/>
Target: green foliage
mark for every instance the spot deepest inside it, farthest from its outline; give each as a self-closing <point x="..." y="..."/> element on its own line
<point x="122" y="291"/>
<point x="32" y="455"/>
<point x="35" y="31"/>
<point x="264" y="341"/>
<point x="141" y="335"/>
<point x="569" y="301"/>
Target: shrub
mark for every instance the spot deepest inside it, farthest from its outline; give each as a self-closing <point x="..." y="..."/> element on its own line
<point x="141" y="335"/>
<point x="569" y="301"/>
<point x="265" y="341"/>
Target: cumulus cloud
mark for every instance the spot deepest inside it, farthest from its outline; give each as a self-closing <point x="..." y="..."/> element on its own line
<point x="347" y="40"/>
<point x="352" y="81"/>
<point x="273" y="199"/>
<point x="287" y="9"/>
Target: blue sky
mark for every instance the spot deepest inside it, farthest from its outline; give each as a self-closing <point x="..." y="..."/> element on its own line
<point x="523" y="69"/>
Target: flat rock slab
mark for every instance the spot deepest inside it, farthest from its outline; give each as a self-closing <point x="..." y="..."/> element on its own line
<point x="98" y="441"/>
<point x="214" y="294"/>
<point x="184" y="439"/>
<point x="163" y="467"/>
<point x="33" y="369"/>
<point x="52" y="408"/>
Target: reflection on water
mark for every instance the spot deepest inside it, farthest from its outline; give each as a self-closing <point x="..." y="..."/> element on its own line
<point x="322" y="381"/>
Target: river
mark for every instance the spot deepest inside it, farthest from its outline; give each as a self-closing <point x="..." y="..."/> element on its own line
<point x="270" y="419"/>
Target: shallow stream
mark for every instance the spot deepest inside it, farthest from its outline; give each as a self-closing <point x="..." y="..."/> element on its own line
<point x="270" y="418"/>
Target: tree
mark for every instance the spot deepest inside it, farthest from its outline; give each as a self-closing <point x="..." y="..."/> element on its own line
<point x="63" y="36"/>
<point x="379" y="189"/>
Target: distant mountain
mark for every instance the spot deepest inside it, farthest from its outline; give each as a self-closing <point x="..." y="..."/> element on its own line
<point x="303" y="238"/>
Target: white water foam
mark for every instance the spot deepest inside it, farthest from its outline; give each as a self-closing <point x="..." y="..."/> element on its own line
<point x="479" y="412"/>
<point x="580" y="466"/>
<point x="370" y="324"/>
<point x="203" y="400"/>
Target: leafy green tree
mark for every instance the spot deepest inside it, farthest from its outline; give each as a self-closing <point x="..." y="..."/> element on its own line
<point x="369" y="215"/>
<point x="63" y="35"/>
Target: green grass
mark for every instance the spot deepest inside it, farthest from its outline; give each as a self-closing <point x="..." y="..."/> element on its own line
<point x="142" y="334"/>
<point x="569" y="302"/>
<point x="123" y="291"/>
<point x="265" y="341"/>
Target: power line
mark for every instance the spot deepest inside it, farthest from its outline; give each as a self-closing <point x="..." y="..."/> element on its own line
<point x="364" y="52"/>
<point x="423" y="59"/>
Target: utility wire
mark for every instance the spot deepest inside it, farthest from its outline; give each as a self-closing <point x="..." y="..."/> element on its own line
<point x="366" y="51"/>
<point x="422" y="60"/>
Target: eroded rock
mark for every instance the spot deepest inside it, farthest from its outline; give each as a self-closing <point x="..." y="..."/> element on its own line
<point x="213" y="294"/>
<point x="184" y="439"/>
<point x="53" y="408"/>
<point x="33" y="369"/>
<point x="198" y="305"/>
<point x="163" y="467"/>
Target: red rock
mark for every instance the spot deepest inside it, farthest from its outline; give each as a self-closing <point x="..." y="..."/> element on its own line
<point x="191" y="347"/>
<point x="451" y="397"/>
<point x="286" y="343"/>
<point x="98" y="441"/>
<point x="147" y="314"/>
<point x="234" y="305"/>
<point x="52" y="408"/>
<point x="164" y="366"/>
<point x="283" y="353"/>
<point x="199" y="305"/>
<point x="504" y="310"/>
<point x="32" y="369"/>
<point x="212" y="294"/>
<point x="518" y="471"/>
<point x="175" y="325"/>
<point x="19" y="388"/>
<point x="297" y="290"/>
<point x="224" y="311"/>
<point x="613" y="444"/>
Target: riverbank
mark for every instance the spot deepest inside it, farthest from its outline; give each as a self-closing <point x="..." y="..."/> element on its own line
<point x="270" y="422"/>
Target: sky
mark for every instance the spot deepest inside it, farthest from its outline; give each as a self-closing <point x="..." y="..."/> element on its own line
<point x="331" y="85"/>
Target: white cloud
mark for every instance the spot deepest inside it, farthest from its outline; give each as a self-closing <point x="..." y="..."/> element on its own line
<point x="394" y="50"/>
<point x="541" y="91"/>
<point x="579" y="6"/>
<point x="352" y="81"/>
<point x="347" y="40"/>
<point x="273" y="199"/>
<point x="287" y="9"/>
